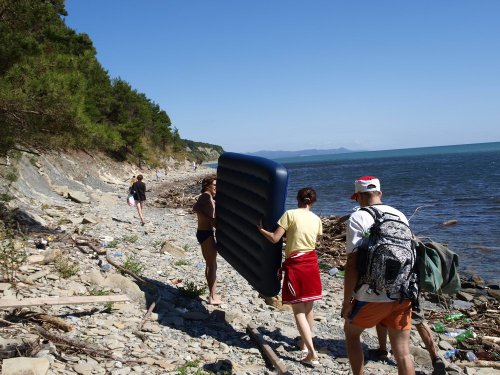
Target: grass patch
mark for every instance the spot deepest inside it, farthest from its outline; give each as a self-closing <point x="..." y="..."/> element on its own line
<point x="185" y="369"/>
<point x="33" y="161"/>
<point x="133" y="265"/>
<point x="12" y="256"/>
<point x="6" y="197"/>
<point x="99" y="292"/>
<point x="113" y="243"/>
<point x="108" y="306"/>
<point x="64" y="221"/>
<point x="159" y="243"/>
<point x="191" y="290"/>
<point x="131" y="238"/>
<point x="182" y="262"/>
<point x="11" y="176"/>
<point x="66" y="268"/>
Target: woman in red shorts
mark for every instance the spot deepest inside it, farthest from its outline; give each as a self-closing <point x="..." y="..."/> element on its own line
<point x="301" y="282"/>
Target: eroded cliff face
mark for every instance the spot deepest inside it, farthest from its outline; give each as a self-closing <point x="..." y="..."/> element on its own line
<point x="34" y="186"/>
<point x="203" y="152"/>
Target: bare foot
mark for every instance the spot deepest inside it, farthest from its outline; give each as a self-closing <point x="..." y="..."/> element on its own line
<point x="214" y="300"/>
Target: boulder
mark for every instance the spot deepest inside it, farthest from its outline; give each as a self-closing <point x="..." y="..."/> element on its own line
<point x="89" y="219"/>
<point x="28" y="218"/>
<point x="34" y="259"/>
<point x="420" y="356"/>
<point x="53" y="213"/>
<point x="127" y="287"/>
<point x="25" y="366"/>
<point x="61" y="190"/>
<point x="78" y="196"/>
<point x="465" y="296"/>
<point x="50" y="256"/>
<point x="494" y="293"/>
<point x="175" y="251"/>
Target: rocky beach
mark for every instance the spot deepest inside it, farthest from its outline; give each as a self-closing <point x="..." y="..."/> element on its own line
<point x="79" y="235"/>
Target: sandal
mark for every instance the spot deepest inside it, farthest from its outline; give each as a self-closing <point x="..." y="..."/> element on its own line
<point x="439" y="368"/>
<point x="310" y="363"/>
<point x="378" y="354"/>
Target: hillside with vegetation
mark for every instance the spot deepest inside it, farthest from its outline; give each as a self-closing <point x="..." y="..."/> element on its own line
<point x="55" y="95"/>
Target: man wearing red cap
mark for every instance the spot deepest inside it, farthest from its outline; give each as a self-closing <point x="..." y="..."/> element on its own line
<point x="363" y="308"/>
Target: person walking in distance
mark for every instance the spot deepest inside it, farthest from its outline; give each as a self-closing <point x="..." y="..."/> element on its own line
<point x="138" y="190"/>
<point x="301" y="282"/>
<point x="205" y="211"/>
<point x="132" y="180"/>
<point x="363" y="306"/>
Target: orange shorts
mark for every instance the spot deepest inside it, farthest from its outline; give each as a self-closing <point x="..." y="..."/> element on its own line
<point x="394" y="314"/>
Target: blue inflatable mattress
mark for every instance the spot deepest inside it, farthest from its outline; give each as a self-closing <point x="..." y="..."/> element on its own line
<point x="250" y="189"/>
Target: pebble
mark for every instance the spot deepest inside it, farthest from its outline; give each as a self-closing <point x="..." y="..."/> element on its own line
<point x="181" y="329"/>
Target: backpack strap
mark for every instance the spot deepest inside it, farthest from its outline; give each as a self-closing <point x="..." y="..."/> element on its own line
<point x="375" y="213"/>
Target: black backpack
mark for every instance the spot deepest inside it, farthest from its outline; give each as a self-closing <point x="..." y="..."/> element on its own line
<point x="387" y="257"/>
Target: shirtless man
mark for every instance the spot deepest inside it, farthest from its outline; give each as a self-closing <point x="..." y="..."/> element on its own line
<point x="205" y="210"/>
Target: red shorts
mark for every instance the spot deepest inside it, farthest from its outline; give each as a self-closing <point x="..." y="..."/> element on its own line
<point x="394" y="314"/>
<point x="302" y="281"/>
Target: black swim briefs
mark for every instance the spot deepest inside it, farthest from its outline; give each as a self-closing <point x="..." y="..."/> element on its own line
<point x="202" y="235"/>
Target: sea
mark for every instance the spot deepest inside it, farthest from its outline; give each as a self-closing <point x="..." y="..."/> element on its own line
<point x="430" y="185"/>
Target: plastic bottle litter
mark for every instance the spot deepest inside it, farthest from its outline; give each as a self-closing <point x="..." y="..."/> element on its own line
<point x="471" y="357"/>
<point x="439" y="328"/>
<point x="465" y="335"/>
<point x="104" y="244"/>
<point x="450" y="353"/>
<point x="455" y="333"/>
<point x="340" y="274"/>
<point x="117" y="254"/>
<point x="333" y="271"/>
<point x="452" y="317"/>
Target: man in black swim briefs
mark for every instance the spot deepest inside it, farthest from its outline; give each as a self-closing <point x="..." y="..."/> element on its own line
<point x="205" y="210"/>
<point x="202" y="235"/>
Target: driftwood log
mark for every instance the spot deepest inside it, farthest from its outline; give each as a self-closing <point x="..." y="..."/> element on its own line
<point x="54" y="321"/>
<point x="61" y="340"/>
<point x="75" y="300"/>
<point x="267" y="350"/>
<point x="480" y="363"/>
<point x="122" y="269"/>
<point x="148" y="313"/>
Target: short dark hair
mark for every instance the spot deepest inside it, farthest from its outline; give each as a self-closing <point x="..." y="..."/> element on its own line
<point x="207" y="181"/>
<point x="139" y="177"/>
<point x="306" y="195"/>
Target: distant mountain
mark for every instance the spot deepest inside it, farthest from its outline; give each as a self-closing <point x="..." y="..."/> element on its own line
<point x="291" y="154"/>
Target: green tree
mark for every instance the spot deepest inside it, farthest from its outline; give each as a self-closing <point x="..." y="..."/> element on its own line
<point x="55" y="93"/>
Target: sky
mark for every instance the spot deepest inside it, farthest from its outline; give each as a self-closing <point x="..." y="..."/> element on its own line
<point x="292" y="75"/>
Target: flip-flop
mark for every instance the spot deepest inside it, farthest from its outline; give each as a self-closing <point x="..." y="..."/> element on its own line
<point x="310" y="363"/>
